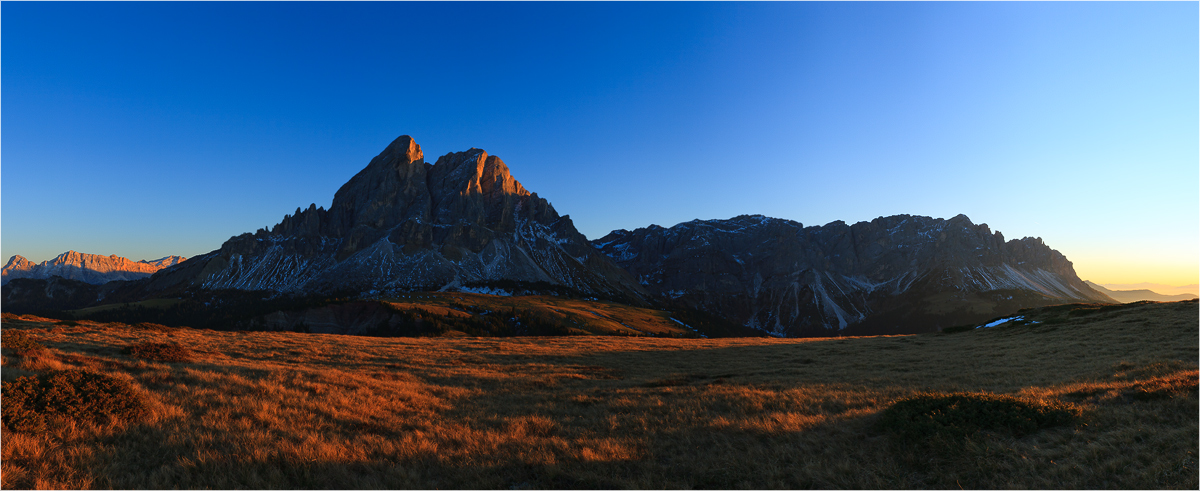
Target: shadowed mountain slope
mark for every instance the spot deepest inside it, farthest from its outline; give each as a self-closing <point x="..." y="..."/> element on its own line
<point x="890" y="275"/>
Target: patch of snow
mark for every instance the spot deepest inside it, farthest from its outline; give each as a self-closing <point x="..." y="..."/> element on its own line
<point x="1001" y="321"/>
<point x="677" y="321"/>
<point x="486" y="290"/>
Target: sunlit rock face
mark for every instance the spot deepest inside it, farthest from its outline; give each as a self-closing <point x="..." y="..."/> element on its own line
<point x="402" y="223"/>
<point x="88" y="268"/>
<point x="890" y="275"/>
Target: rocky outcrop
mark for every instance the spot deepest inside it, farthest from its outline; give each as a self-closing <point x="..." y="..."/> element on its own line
<point x="88" y="268"/>
<point x="890" y="275"/>
<point x="402" y="224"/>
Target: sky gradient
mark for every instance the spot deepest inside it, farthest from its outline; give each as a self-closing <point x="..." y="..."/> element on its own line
<point x="154" y="129"/>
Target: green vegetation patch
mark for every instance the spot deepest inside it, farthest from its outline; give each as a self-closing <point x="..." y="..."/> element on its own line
<point x="77" y="394"/>
<point x="955" y="416"/>
<point x="19" y="342"/>
<point x="169" y="352"/>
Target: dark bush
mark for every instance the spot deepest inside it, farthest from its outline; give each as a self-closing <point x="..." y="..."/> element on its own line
<point x="77" y="394"/>
<point x="19" y="342"/>
<point x="955" y="416"/>
<point x="170" y="352"/>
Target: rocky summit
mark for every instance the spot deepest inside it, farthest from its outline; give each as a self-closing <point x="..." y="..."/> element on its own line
<point x="88" y="268"/>
<point x="403" y="224"/>
<point x="890" y="275"/>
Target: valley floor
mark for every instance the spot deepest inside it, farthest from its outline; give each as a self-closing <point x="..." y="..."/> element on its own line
<point x="290" y="410"/>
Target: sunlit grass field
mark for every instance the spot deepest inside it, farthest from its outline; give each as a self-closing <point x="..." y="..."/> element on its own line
<point x="290" y="410"/>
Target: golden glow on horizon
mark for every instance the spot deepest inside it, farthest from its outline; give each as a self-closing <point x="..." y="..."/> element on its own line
<point x="1145" y="271"/>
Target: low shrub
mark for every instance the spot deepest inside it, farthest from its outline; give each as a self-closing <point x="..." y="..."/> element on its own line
<point x="77" y="394"/>
<point x="955" y="416"/>
<point x="19" y="342"/>
<point x="169" y="352"/>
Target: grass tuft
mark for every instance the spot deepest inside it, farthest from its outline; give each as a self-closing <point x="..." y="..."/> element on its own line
<point x="169" y="352"/>
<point x="955" y="416"/>
<point x="76" y="394"/>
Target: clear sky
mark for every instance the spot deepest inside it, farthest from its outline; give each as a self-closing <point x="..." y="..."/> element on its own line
<point x="150" y="129"/>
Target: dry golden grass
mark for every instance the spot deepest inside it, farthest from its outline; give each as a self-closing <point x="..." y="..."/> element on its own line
<point x="287" y="410"/>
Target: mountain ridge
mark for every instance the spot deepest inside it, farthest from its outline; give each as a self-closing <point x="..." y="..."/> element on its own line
<point x="1128" y="296"/>
<point x="89" y="268"/>
<point x="464" y="223"/>
<point x="1159" y="288"/>
<point x="786" y="279"/>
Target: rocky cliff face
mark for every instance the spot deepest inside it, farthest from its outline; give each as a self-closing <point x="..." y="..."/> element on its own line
<point x="88" y="268"/>
<point x="402" y="223"/>
<point x="895" y="274"/>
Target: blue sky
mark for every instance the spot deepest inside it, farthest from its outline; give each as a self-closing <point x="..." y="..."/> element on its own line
<point x="149" y="129"/>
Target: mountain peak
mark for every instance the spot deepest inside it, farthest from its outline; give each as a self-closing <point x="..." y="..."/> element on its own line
<point x="960" y="218"/>
<point x="403" y="223"/>
<point x="404" y="150"/>
<point x="18" y="263"/>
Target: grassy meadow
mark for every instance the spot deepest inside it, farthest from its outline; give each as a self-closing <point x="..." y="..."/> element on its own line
<point x="213" y="409"/>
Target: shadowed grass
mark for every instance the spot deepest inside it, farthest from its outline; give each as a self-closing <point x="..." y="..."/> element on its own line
<point x="953" y="417"/>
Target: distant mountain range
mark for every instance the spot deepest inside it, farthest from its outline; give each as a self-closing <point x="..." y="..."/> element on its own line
<point x="88" y="268"/>
<point x="1126" y="296"/>
<point x="464" y="223"/>
<point x="893" y="274"/>
<point x="1159" y="288"/>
